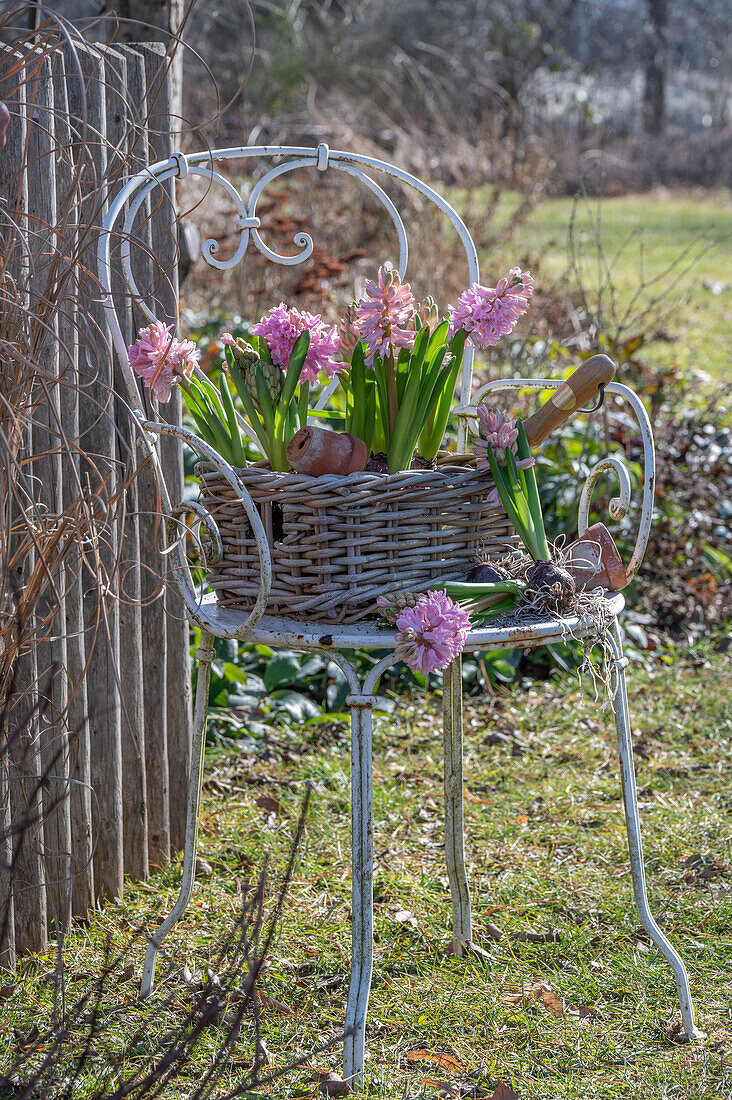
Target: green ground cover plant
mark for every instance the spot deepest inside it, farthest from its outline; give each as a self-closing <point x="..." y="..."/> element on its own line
<point x="551" y="894"/>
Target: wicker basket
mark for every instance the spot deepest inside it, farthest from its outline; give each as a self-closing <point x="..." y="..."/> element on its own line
<point x="339" y="542"/>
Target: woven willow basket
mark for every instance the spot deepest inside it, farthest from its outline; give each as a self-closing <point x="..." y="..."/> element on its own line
<point x="339" y="542"/>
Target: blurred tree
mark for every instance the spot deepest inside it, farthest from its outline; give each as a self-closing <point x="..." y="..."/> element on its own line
<point x="147" y="20"/>
<point x="655" y="62"/>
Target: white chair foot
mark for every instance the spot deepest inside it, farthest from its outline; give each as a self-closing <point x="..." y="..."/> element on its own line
<point x="452" y="715"/>
<point x="362" y="854"/>
<point x="205" y="655"/>
<point x="635" y="846"/>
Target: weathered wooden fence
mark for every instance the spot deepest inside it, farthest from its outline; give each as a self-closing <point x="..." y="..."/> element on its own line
<point x="92" y="780"/>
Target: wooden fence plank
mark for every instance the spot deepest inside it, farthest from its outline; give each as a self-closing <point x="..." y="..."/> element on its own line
<point x="124" y="91"/>
<point x="154" y="638"/>
<point x="101" y="610"/>
<point x="67" y="104"/>
<point x="21" y="718"/>
<point x="10" y="176"/>
<point x="165" y="249"/>
<point x="48" y="471"/>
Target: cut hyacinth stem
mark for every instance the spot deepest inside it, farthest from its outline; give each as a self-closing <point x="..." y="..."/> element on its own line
<point x="528" y="477"/>
<point x="237" y="447"/>
<point x="425" y="382"/>
<point x="520" y="480"/>
<point x="487" y="599"/>
<point x="302" y="405"/>
<point x="431" y="438"/>
<point x="503" y="607"/>
<point x="245" y="397"/>
<point x="275" y="454"/>
<point x="516" y="506"/>
<point x="392" y="393"/>
<point x="466" y="590"/>
<point x="207" y="419"/>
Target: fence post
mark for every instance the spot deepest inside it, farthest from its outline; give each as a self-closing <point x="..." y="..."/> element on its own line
<point x="161" y="101"/>
<point x="67" y="95"/>
<point x="124" y="95"/>
<point x="21" y="714"/>
<point x="48" y="471"/>
<point x="99" y="471"/>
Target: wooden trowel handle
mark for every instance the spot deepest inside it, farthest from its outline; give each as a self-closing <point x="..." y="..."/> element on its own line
<point x="580" y="387"/>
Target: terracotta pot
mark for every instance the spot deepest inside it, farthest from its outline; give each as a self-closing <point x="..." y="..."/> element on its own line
<point x="594" y="561"/>
<point x="317" y="452"/>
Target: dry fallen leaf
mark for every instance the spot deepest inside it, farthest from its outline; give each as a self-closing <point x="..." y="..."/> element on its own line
<point x="332" y="1084"/>
<point x="262" y="1056"/>
<point x="274" y="1006"/>
<point x="6" y="992"/>
<point x="542" y="994"/>
<point x="444" y="1088"/>
<point x="266" y="802"/>
<point x="445" y="1061"/>
<point x="127" y="973"/>
<point x="504" y="1092"/>
<point x="536" y="937"/>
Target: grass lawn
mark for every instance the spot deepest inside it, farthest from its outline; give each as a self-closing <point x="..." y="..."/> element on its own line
<point x="641" y="235"/>
<point x="547" y="854"/>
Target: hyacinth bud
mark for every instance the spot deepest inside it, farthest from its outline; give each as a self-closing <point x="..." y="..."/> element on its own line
<point x="392" y="278"/>
<point x="248" y="361"/>
<point x="349" y="332"/>
<point x="427" y="312"/>
<point x="244" y="353"/>
<point x="393" y="603"/>
<point x="272" y="380"/>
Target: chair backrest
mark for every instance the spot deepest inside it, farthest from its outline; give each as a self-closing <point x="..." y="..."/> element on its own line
<point x="133" y="196"/>
<point x="119" y="225"/>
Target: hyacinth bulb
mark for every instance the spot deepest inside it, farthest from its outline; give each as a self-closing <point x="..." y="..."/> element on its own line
<point x="551" y="584"/>
<point x="485" y="572"/>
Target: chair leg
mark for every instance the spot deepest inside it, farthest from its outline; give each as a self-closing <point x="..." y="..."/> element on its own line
<point x="204" y="655"/>
<point x="362" y="855"/>
<point x="630" y="800"/>
<point x="452" y="714"/>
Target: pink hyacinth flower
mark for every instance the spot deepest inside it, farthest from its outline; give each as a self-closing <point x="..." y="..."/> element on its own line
<point x="281" y="327"/>
<point x="499" y="433"/>
<point x="432" y="633"/>
<point x="161" y="360"/>
<point x="488" y="313"/>
<point x="227" y="339"/>
<point x="383" y="315"/>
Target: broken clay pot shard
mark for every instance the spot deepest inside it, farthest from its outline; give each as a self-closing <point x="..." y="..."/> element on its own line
<point x="316" y="452"/>
<point x="594" y="562"/>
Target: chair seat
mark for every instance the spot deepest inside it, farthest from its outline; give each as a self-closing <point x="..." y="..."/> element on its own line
<point x="224" y="622"/>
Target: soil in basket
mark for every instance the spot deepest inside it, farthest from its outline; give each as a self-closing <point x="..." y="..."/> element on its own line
<point x="377" y="464"/>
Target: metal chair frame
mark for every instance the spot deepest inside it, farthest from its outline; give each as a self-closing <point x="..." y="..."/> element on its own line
<point x="257" y="627"/>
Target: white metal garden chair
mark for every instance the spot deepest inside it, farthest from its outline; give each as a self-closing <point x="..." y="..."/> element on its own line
<point x="256" y="626"/>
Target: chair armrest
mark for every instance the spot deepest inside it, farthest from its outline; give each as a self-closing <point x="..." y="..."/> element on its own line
<point x="212" y="547"/>
<point x="620" y="505"/>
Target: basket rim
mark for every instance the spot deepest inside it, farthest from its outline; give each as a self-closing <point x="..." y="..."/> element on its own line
<point x="360" y="480"/>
